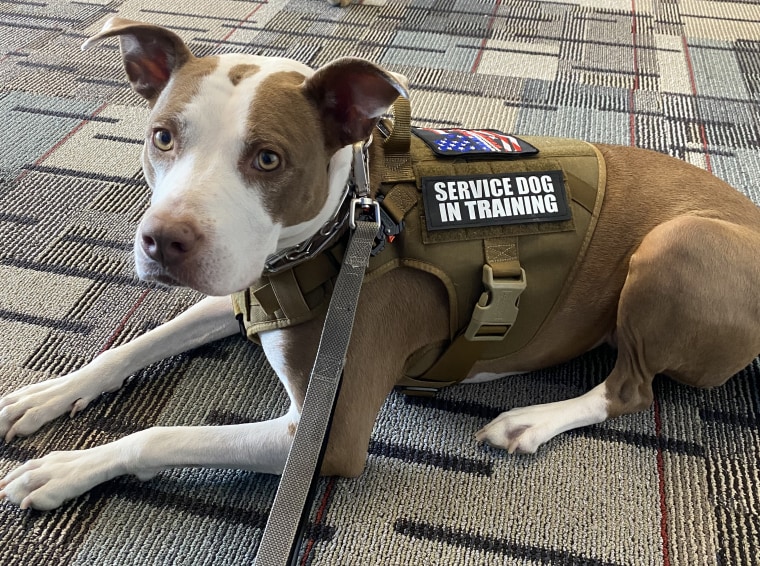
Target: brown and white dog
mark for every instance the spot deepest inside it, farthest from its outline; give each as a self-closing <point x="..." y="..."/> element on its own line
<point x="248" y="155"/>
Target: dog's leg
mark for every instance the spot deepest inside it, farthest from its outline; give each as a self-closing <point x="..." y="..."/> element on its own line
<point x="263" y="447"/>
<point x="47" y="482"/>
<point x="689" y="309"/>
<point x="26" y="410"/>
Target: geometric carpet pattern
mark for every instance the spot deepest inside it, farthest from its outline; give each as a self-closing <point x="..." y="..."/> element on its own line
<point x="674" y="485"/>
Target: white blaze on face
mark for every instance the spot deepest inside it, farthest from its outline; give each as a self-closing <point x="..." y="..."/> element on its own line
<point x="205" y="183"/>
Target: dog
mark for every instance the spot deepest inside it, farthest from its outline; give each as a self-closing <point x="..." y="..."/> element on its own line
<point x="249" y="155"/>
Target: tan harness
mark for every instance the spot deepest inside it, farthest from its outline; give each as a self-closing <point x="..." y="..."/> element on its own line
<point x="488" y="271"/>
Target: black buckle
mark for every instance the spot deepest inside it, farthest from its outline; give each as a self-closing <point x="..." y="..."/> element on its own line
<point x="389" y="229"/>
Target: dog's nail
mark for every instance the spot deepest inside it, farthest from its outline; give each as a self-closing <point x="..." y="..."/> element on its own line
<point x="78" y="406"/>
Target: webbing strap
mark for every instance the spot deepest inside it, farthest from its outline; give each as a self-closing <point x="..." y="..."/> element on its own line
<point x="398" y="160"/>
<point x="292" y="503"/>
<point x="400" y="200"/>
<point x="502" y="255"/>
<point x="399" y="140"/>
<point x="288" y="294"/>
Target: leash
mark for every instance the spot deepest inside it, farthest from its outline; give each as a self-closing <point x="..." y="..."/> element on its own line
<point x="292" y="502"/>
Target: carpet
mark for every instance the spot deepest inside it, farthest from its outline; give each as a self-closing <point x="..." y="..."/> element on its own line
<point x="674" y="485"/>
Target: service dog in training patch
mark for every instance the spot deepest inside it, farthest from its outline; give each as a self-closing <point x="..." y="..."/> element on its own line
<point x="497" y="254"/>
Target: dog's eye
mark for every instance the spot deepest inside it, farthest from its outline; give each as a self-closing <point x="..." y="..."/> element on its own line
<point x="266" y="160"/>
<point x="163" y="139"/>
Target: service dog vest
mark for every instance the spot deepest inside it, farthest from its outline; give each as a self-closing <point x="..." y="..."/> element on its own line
<point x="498" y="231"/>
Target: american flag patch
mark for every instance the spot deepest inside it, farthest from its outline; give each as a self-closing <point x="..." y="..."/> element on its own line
<point x="456" y="142"/>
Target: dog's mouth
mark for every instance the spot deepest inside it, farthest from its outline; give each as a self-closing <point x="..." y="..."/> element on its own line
<point x="155" y="274"/>
<point x="151" y="271"/>
<point x="165" y="279"/>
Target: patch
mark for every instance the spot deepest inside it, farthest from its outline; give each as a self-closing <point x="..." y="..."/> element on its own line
<point x="494" y="199"/>
<point x="455" y="142"/>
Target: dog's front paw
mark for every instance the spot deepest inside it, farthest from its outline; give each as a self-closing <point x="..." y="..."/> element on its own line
<point x="520" y="430"/>
<point x="47" y="482"/>
<point x="26" y="410"/>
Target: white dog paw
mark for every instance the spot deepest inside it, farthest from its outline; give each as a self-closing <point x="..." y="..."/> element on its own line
<point x="517" y="431"/>
<point x="525" y="429"/>
<point x="26" y="410"/>
<point x="47" y="482"/>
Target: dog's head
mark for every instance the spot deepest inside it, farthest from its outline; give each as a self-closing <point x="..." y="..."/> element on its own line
<point x="245" y="155"/>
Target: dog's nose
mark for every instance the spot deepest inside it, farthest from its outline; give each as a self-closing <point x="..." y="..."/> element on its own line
<point x="168" y="243"/>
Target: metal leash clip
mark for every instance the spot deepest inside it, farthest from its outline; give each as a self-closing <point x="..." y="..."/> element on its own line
<point x="369" y="207"/>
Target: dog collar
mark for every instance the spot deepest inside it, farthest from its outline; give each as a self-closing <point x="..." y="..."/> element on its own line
<point x="355" y="194"/>
<point x="326" y="235"/>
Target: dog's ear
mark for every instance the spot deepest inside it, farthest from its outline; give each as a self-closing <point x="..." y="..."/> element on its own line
<point x="150" y="53"/>
<point x="352" y="94"/>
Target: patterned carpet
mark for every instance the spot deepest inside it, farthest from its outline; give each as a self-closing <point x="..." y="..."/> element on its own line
<point x="676" y="485"/>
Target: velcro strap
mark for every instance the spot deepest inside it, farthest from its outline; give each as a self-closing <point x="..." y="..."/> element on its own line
<point x="457" y="360"/>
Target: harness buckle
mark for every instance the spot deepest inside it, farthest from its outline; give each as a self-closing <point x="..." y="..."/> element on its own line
<point x="496" y="311"/>
<point x="389" y="229"/>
